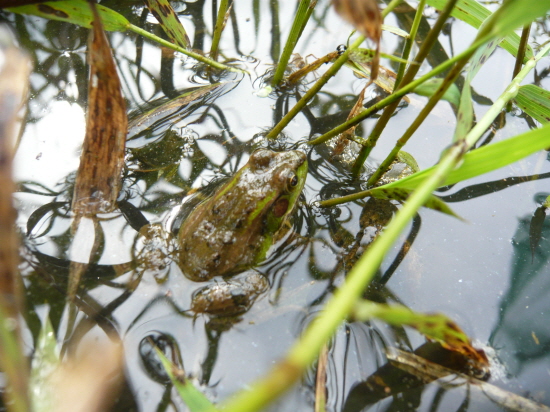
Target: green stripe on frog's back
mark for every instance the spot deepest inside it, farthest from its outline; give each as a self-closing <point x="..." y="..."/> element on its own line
<point x="232" y="230"/>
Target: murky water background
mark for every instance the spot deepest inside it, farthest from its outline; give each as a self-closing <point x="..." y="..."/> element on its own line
<point x="480" y="272"/>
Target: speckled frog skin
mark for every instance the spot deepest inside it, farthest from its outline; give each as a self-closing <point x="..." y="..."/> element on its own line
<point x="233" y="230"/>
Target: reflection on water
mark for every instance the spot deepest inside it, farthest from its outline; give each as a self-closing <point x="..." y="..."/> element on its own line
<point x="206" y="138"/>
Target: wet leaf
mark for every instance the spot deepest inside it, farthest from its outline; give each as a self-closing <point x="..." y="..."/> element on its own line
<point x="408" y="159"/>
<point x="76" y="12"/>
<point x="511" y="15"/>
<point x="435" y="326"/>
<point x="144" y="120"/>
<point x="473" y="13"/>
<point x="45" y="361"/>
<point x="535" y="229"/>
<point x="401" y="195"/>
<point x="194" y="399"/>
<point x="428" y="88"/>
<point x="98" y="178"/>
<point x="345" y="137"/>
<point x="534" y="101"/>
<point x="486" y="158"/>
<point x="169" y="22"/>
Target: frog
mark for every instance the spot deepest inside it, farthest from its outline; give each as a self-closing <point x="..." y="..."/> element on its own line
<point x="230" y="232"/>
<point x="233" y="230"/>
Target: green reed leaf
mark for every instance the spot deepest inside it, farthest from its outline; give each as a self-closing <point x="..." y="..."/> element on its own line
<point x="473" y="13"/>
<point x="534" y="101"/>
<point x="163" y="12"/>
<point x="45" y="362"/>
<point x="193" y="398"/>
<point x="486" y="158"/>
<point x="401" y="195"/>
<point x="75" y="11"/>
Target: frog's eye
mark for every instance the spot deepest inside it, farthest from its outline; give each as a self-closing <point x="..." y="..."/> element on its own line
<point x="292" y="180"/>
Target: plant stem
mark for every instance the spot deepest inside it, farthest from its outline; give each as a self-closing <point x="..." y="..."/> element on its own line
<point x="450" y="79"/>
<point x="218" y="29"/>
<point x="313" y="90"/>
<point x="298" y="25"/>
<point x="322" y="80"/>
<point x="471" y="138"/>
<point x="191" y="54"/>
<point x="409" y="42"/>
<point x="427" y="45"/>
<point x="395" y="96"/>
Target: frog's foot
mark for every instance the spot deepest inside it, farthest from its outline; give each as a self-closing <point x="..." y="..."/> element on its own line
<point x="229" y="298"/>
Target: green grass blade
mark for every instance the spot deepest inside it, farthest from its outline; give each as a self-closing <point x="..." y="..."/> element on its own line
<point x="193" y="398"/>
<point x="298" y="25"/>
<point x="401" y="195"/>
<point x="535" y="102"/>
<point x="435" y="326"/>
<point x="487" y="158"/>
<point x="44" y="363"/>
<point x="477" y="162"/>
<point x="473" y="13"/>
<point x="163" y="12"/>
<point x="75" y="11"/>
<point x="514" y="14"/>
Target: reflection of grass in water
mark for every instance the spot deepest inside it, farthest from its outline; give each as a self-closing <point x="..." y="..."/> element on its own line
<point x="307" y="348"/>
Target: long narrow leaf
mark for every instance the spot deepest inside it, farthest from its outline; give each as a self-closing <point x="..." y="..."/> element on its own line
<point x="194" y="399"/>
<point x="45" y="361"/>
<point x="473" y="13"/>
<point x="535" y="102"/>
<point x="75" y="11"/>
<point x="487" y="158"/>
<point x="169" y="22"/>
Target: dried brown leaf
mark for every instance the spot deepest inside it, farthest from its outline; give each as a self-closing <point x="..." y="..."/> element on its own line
<point x="365" y="16"/>
<point x="346" y="136"/>
<point x="91" y="381"/>
<point x="98" y="179"/>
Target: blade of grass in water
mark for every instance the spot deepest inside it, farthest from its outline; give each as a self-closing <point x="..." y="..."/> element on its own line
<point x="218" y="28"/>
<point x="194" y="399"/>
<point x="322" y="81"/>
<point x="425" y="48"/>
<point x="298" y="25"/>
<point x="169" y="22"/>
<point x="410" y="41"/>
<point x="304" y="352"/>
<point x="473" y="13"/>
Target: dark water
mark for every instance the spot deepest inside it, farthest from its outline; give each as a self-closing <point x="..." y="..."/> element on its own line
<point x="480" y="273"/>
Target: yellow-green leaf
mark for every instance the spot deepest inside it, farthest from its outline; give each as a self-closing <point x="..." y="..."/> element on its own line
<point x="534" y="101"/>
<point x="169" y="22"/>
<point x="195" y="400"/>
<point x="75" y="11"/>
<point x="473" y="13"/>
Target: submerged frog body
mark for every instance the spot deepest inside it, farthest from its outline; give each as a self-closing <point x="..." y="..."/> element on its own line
<point x="233" y="230"/>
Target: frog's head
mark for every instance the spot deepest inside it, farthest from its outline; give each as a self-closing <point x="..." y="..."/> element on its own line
<point x="285" y="174"/>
